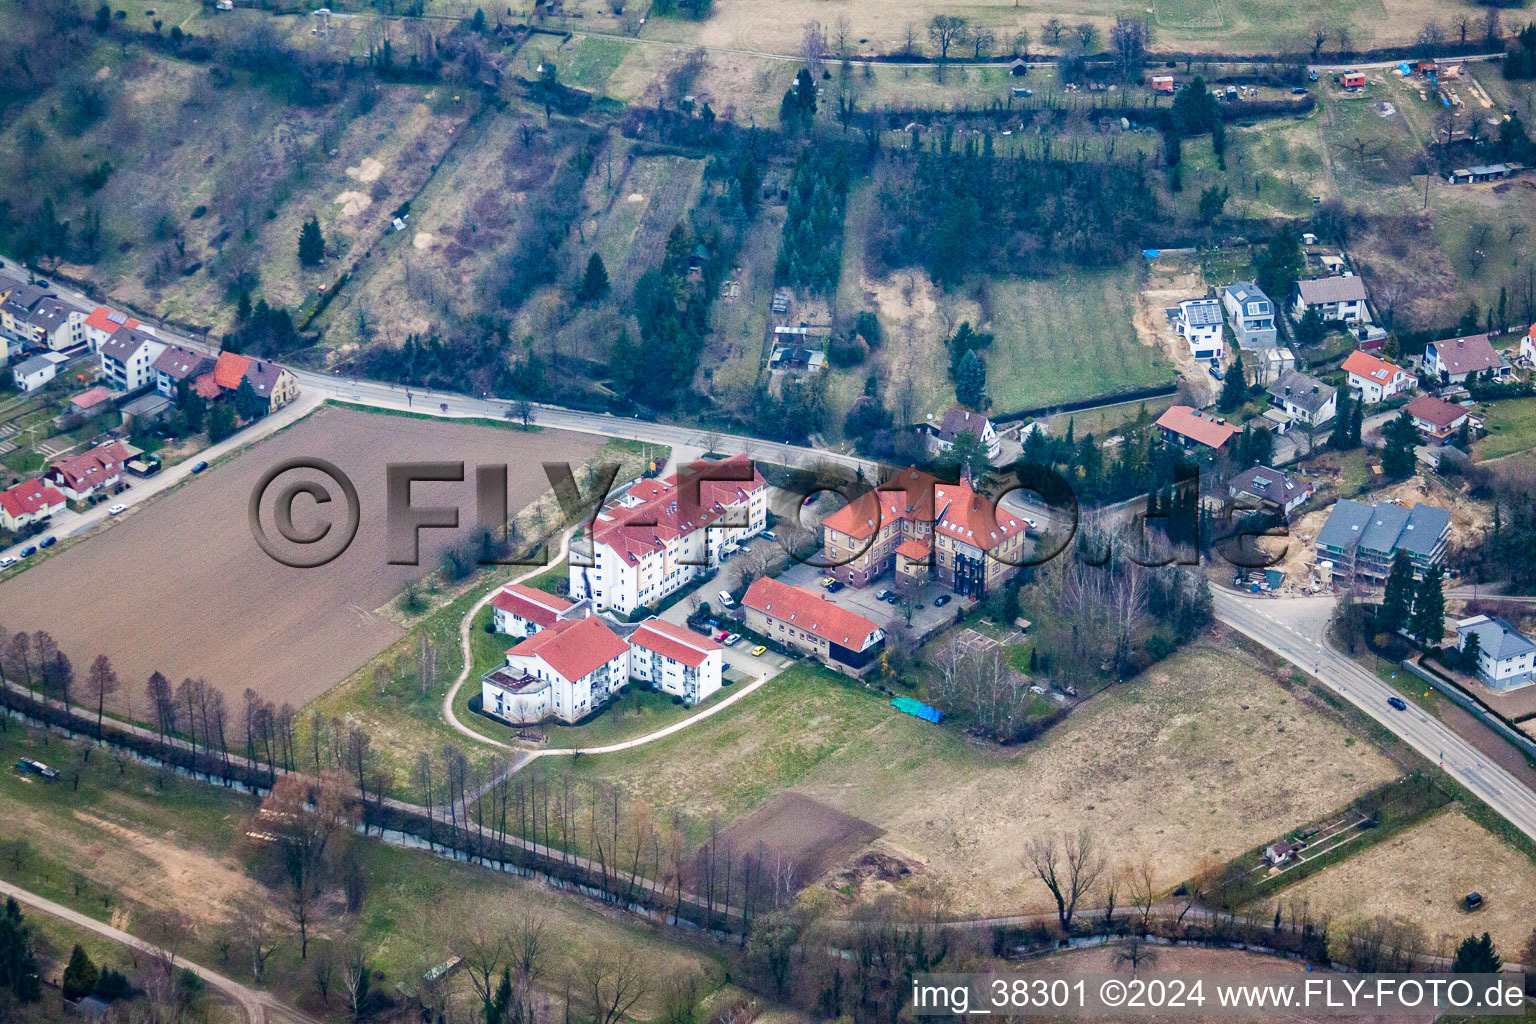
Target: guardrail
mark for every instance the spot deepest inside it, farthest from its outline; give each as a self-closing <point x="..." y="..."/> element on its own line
<point x="1469" y="703"/>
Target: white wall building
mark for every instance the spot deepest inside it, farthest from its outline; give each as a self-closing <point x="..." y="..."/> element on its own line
<point x="1253" y="315"/>
<point x="1338" y="299"/>
<point x="1376" y="380"/>
<point x="1506" y="657"/>
<point x="31" y="374"/>
<point x="128" y="357"/>
<point x="664" y="533"/>
<point x="1201" y="325"/>
<point x="523" y="611"/>
<point x="676" y="660"/>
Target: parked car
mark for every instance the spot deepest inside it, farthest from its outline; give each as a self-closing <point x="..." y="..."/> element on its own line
<point x="893" y="598"/>
<point x="941" y="601"/>
<point x="726" y="599"/>
<point x="731" y="639"/>
<point x="7" y="562"/>
<point x="1397" y="702"/>
<point x="199" y="467"/>
<point x="30" y="767"/>
<point x="720" y="636"/>
<point x="47" y="542"/>
<point x="884" y="595"/>
<point x="1029" y="524"/>
<point x="770" y="535"/>
<point x="117" y="510"/>
<point x="835" y="586"/>
<point x="759" y="651"/>
<point x="29" y="550"/>
<point x="827" y="581"/>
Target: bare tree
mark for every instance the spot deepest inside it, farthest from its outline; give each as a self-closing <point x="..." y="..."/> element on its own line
<point x="306" y="824"/>
<point x="256" y="933"/>
<point x="1141" y="880"/>
<point x="1069" y="870"/>
<point x="1052" y="30"/>
<point x="1493" y="29"/>
<point x="1431" y="36"/>
<point x="613" y="980"/>
<point x="946" y="30"/>
<point x="1087" y="34"/>
<point x="1134" y="953"/>
<point x="484" y="946"/>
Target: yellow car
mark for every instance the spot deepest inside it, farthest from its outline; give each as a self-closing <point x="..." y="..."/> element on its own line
<point x="827" y="581"/>
<point x="759" y="651"/>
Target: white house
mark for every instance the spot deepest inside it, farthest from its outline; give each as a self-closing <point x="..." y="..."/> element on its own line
<point x="1506" y="657"/>
<point x="128" y="358"/>
<point x="1376" y="380"/>
<point x="1454" y="359"/>
<point x="31" y="374"/>
<point x="103" y="323"/>
<point x="95" y="470"/>
<point x="664" y="533"/>
<point x="676" y="660"/>
<point x="27" y="503"/>
<point x="958" y="421"/>
<point x="1340" y="299"/>
<point x="566" y="671"/>
<point x="523" y="611"/>
<point x="57" y="326"/>
<point x="1304" y="398"/>
<point x="1252" y="313"/>
<point x="1528" y="347"/>
<point x="1200" y="324"/>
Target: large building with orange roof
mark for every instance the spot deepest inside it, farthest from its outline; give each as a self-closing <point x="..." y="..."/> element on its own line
<point x="919" y="528"/>
<point x="662" y="534"/>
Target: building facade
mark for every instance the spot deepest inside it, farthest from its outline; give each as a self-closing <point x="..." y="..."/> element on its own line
<point x="1252" y="314"/>
<point x="1376" y="380"/>
<point x="1337" y="299"/>
<point x="1506" y="657"/>
<point x="813" y="624"/>
<point x="1200" y="324"/>
<point x="1304" y="398"/>
<point x="1361" y="540"/>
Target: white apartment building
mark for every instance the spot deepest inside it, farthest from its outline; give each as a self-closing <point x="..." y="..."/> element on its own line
<point x="128" y="356"/>
<point x="664" y="533"/>
<point x="676" y="660"/>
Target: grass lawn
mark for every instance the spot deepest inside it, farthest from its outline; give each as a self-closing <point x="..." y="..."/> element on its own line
<point x="1511" y="429"/>
<point x="1067" y="338"/>
<point x="587" y="62"/>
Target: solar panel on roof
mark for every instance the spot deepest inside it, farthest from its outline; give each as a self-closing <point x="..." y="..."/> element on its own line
<point x="117" y="318"/>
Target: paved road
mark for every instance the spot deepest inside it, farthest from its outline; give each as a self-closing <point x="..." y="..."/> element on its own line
<point x="257" y="1007"/>
<point x="1295" y="628"/>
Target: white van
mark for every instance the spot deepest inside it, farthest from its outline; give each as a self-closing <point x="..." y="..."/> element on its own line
<point x="726" y="599"/>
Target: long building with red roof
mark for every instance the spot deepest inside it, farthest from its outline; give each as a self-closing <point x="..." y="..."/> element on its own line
<point x="918" y="526"/>
<point x="661" y="534"/>
<point x="813" y="623"/>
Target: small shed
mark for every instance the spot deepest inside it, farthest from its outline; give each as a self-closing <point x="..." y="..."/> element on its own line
<point x="1162" y="83"/>
<point x="1279" y="853"/>
<point x="92" y="402"/>
<point x="1472" y="900"/>
<point x="1018" y="69"/>
<point x="1352" y="79"/>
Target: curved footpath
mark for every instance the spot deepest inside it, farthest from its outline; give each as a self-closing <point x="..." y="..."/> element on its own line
<point x="257" y="1007"/>
<point x="522" y="757"/>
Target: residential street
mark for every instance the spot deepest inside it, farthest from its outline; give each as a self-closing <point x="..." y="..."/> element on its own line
<point x="1295" y="628"/>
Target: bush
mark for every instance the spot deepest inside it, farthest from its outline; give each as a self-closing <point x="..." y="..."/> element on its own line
<point x="844" y="352"/>
<point x="677" y="700"/>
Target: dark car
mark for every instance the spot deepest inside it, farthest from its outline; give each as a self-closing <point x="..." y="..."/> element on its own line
<point x="835" y="586"/>
<point x="1397" y="702"/>
<point x="28" y="551"/>
<point x="199" y="467"/>
<point x="941" y="601"/>
<point x="1298" y="90"/>
<point x="47" y="542"/>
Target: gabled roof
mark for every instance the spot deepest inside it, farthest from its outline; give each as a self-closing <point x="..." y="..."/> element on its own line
<point x="671" y="641"/>
<point x="907" y="496"/>
<point x="1496" y="637"/>
<point x="229" y="370"/>
<point x="263" y="376"/>
<point x="50" y="314"/>
<point x="1195" y="425"/>
<point x="656" y="511"/>
<point x="1436" y="411"/>
<point x="1246" y="291"/>
<point x="914" y="549"/>
<point x="91" y="399"/>
<point x="29" y="497"/>
<point x="125" y="341"/>
<point x="206" y="387"/>
<point x="89" y="469"/>
<point x="810" y="612"/>
<point x="179" y="363"/>
<point x="108" y="320"/>
<point x="22" y="298"/>
<point x="1264" y="482"/>
<point x="528" y="603"/>
<point x="1471" y="354"/>
<point x="1331" y="289"/>
<point x="1363" y="364"/>
<point x="958" y="420"/>
<point x="1384" y="528"/>
<point x="966" y="516"/>
<point x="573" y="647"/>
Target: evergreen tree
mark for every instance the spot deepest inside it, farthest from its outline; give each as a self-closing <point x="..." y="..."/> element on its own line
<point x="1234" y="390"/>
<point x="80" y="976"/>
<point x="1428" y="621"/>
<point x="1339" y="438"/>
<point x="1311" y="329"/>
<point x="221" y="422"/>
<point x="1464" y="436"/>
<point x="18" y="958"/>
<point x="248" y="403"/>
<point x="971" y="382"/>
<point x="1471" y="647"/>
<point x="1397" y="455"/>
<point x="311" y="244"/>
<point x="1477" y="956"/>
<point x="1397" y="599"/>
<point x="594" y="283"/>
<point x="1356" y="423"/>
<point x="1278" y="263"/>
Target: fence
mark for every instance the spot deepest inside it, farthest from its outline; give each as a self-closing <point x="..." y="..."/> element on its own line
<point x="1484" y="714"/>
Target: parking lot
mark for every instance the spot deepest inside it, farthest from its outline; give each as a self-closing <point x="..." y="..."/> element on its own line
<point x="925" y="619"/>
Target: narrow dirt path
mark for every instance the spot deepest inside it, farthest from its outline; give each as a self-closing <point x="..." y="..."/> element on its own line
<point x="257" y="1007"/>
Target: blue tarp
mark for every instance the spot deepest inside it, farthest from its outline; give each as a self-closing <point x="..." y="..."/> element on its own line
<point x="1150" y="254"/>
<point x="917" y="709"/>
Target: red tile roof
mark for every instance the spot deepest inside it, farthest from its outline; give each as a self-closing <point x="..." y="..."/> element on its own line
<point x="810" y="612"/>
<point x="108" y="320"/>
<point x="92" y="398"/>
<point x="1191" y="423"/>
<point x="1363" y="364"/>
<point x="675" y="642"/>
<point x="914" y="549"/>
<point x="967" y="516"/>
<point x="534" y="605"/>
<point x="573" y="647"/>
<point x="665" y="509"/>
<point x="30" y="497"/>
<point x="206" y="387"/>
<point x="908" y="496"/>
<point x="1435" y="411"/>
<point x="230" y="370"/>
<point x="89" y="469"/>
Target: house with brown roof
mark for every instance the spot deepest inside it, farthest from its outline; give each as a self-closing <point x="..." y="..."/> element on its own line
<point x="1436" y="419"/>
<point x="662" y="534"/>
<point x="959" y="420"/>
<point x="1189" y="428"/>
<point x="1337" y="299"/>
<point x="56" y="326"/>
<point x="920" y="527"/>
<point x="812" y="623"/>
<point x="78" y="477"/>
<point x="177" y="364"/>
<point x="1455" y="359"/>
<point x="273" y="384"/>
<point x="28" y="503"/>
